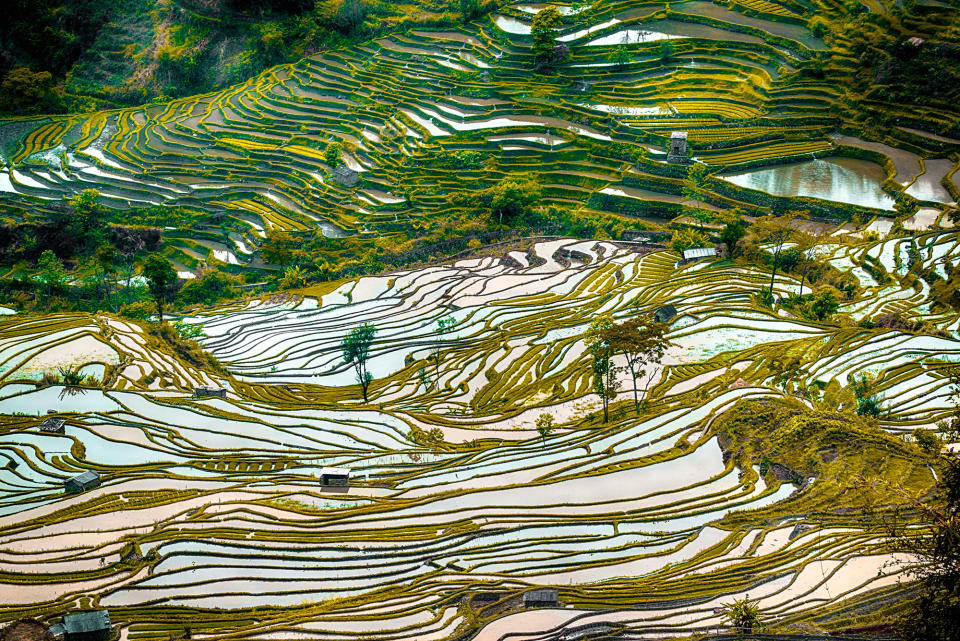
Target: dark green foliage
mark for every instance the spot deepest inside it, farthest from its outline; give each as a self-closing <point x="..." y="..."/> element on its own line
<point x="731" y="235"/>
<point x="210" y="288"/>
<point x="161" y="281"/>
<point x="512" y="198"/>
<point x="356" y="351"/>
<point x="868" y="403"/>
<point x="542" y="30"/>
<point x="934" y="615"/>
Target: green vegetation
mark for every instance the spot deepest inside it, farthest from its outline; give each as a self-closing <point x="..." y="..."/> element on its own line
<point x="356" y="352"/>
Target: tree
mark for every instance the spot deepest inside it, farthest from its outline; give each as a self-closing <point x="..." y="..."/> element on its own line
<point x="731" y="234"/>
<point x="107" y="260"/>
<point x="825" y="302"/>
<point x="743" y="615"/>
<point x="666" y="50"/>
<point x="642" y="344"/>
<point x="542" y="30"/>
<point x="603" y="371"/>
<point x="161" y="280"/>
<point x="687" y="238"/>
<point x="621" y="56"/>
<point x="293" y="277"/>
<point x="332" y="153"/>
<point x="356" y="350"/>
<point x="278" y="247"/>
<point x="868" y="403"/>
<point x="544" y="425"/>
<point x="693" y="189"/>
<point x="933" y="615"/>
<point x="511" y="198"/>
<point x="469" y="9"/>
<point x="776" y="231"/>
<point x="25" y="92"/>
<point x="52" y="274"/>
<point x="444" y="325"/>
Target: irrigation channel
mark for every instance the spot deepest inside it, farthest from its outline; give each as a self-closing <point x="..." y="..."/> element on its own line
<point x="216" y="504"/>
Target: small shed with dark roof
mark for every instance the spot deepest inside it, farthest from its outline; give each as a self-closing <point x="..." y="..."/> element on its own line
<point x="546" y="598"/>
<point x="82" y="482"/>
<point x="53" y="425"/>
<point x="334" y="476"/>
<point x="87" y="626"/>
<point x="664" y="314"/>
<point x="205" y="391"/>
<point x="346" y="176"/>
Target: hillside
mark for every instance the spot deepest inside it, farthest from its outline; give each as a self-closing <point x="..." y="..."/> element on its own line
<point x="382" y="336"/>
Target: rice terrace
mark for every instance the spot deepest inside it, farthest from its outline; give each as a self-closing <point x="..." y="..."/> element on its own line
<point x="357" y="320"/>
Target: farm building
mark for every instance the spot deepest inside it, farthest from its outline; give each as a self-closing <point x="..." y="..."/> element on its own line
<point x="664" y="314"/>
<point x="82" y="482"/>
<point x="87" y="626"/>
<point x="346" y="176"/>
<point x="206" y="391"/>
<point x="546" y="598"/>
<point x="698" y="253"/>
<point x="334" y="476"/>
<point x="53" y="425"/>
<point x="678" y="147"/>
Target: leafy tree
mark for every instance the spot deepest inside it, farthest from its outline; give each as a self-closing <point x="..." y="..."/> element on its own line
<point x="356" y="350"/>
<point x="743" y="615"/>
<point x="470" y="9"/>
<point x="687" y="238"/>
<point x="927" y="440"/>
<point x="293" y="277"/>
<point x="642" y="344"/>
<point x="278" y="247"/>
<point x="604" y="372"/>
<point x="332" y="153"/>
<point x="346" y="16"/>
<point x="825" y="303"/>
<point x="731" y="234"/>
<point x="868" y="403"/>
<point x="52" y="274"/>
<point x="161" y="280"/>
<point x="26" y="92"/>
<point x="544" y="425"/>
<point x="693" y="190"/>
<point x="776" y="231"/>
<point x="934" y="614"/>
<point x="667" y="50"/>
<point x="211" y="287"/>
<point x="512" y="198"/>
<point x="107" y="260"/>
<point x="542" y="30"/>
<point x="444" y="326"/>
<point x="621" y="56"/>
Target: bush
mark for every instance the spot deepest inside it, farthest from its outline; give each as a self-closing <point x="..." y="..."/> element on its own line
<point x="139" y="310"/>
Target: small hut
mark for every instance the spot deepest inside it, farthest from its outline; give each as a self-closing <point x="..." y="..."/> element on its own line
<point x="334" y="476"/>
<point x="678" y="147"/>
<point x="698" y="253"/>
<point x="346" y="176"/>
<point x="82" y="482"/>
<point x="207" y="391"/>
<point x="53" y="425"/>
<point x="664" y="314"/>
<point x="546" y="598"/>
<point x="87" y="626"/>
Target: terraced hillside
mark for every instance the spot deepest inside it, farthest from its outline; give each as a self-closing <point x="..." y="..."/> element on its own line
<point x="746" y="468"/>
<point x="212" y="518"/>
<point x="429" y="118"/>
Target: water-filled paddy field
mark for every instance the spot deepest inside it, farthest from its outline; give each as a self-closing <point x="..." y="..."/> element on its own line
<point x="222" y="502"/>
